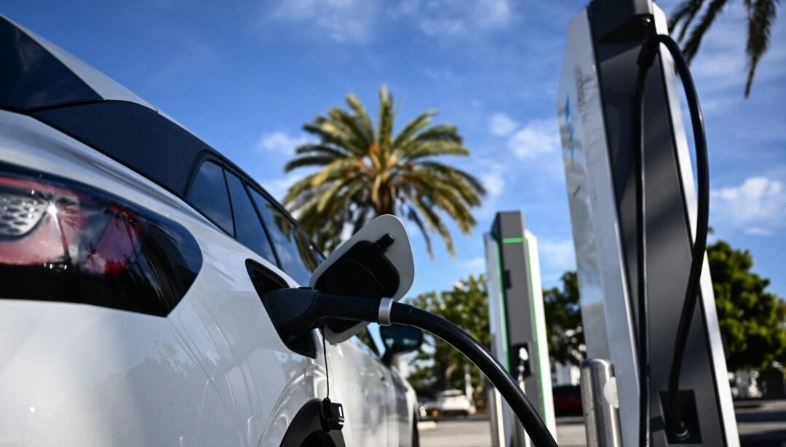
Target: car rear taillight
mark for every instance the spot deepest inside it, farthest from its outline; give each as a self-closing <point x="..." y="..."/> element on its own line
<point x="64" y="241"/>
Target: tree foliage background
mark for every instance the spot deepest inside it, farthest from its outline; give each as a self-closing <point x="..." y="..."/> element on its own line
<point x="437" y="365"/>
<point x="563" y="321"/>
<point x="360" y="169"/>
<point x="752" y="320"/>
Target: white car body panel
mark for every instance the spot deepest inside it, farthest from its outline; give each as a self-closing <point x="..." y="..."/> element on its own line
<point x="83" y="375"/>
<point x="213" y="372"/>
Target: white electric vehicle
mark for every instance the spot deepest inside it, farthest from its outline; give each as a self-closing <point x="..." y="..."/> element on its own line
<point x="132" y="258"/>
<point x="452" y="402"/>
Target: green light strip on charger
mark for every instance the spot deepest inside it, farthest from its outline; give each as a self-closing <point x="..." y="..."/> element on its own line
<point x="513" y="240"/>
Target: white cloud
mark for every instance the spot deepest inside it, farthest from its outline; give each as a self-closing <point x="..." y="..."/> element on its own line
<point x="446" y="27"/>
<point x="537" y="138"/>
<point x="757" y="204"/>
<point x="341" y="20"/>
<point x="758" y="231"/>
<point x="720" y="67"/>
<point x="556" y="255"/>
<point x="501" y="125"/>
<point x="280" y="142"/>
<point x="493" y="12"/>
<point x="441" y="74"/>
<point x="278" y="187"/>
<point x="454" y="17"/>
<point x="494" y="183"/>
<point x="474" y="265"/>
<point x="493" y="179"/>
<point x="403" y="8"/>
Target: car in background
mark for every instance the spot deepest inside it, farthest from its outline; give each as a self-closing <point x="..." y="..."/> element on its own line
<point x="133" y="256"/>
<point x="454" y="402"/>
<point x="428" y="410"/>
<point x="567" y="400"/>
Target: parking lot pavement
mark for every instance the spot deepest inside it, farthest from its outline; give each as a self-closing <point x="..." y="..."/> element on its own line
<point x="476" y="432"/>
<point x="761" y="423"/>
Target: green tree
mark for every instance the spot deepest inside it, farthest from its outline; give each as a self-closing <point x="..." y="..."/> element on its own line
<point x="437" y="365"/>
<point x="365" y="170"/>
<point x="752" y="320"/>
<point x="563" y="321"/>
<point x="761" y="18"/>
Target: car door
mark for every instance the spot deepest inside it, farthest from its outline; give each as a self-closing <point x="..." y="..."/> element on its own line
<point x="362" y="385"/>
<point x="356" y="378"/>
<point x="399" y="419"/>
<point x="261" y="383"/>
<point x="403" y="408"/>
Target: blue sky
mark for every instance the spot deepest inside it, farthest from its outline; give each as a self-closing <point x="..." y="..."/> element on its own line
<point x="246" y="75"/>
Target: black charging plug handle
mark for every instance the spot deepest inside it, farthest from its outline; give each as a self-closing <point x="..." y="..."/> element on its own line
<point x="295" y="312"/>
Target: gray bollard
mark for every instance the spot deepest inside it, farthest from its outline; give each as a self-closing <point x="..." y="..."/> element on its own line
<point x="599" y="403"/>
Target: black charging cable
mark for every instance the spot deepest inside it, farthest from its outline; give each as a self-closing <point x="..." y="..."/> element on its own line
<point x="412" y="316"/>
<point x="295" y="312"/>
<point x="674" y="420"/>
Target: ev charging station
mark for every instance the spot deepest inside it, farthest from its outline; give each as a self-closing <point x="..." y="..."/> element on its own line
<point x="596" y="107"/>
<point x="518" y="324"/>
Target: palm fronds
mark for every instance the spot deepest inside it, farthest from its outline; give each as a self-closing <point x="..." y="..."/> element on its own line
<point x="365" y="170"/>
<point x="761" y="17"/>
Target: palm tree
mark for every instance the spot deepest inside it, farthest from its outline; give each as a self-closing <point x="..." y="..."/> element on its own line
<point x="761" y="18"/>
<point x="364" y="170"/>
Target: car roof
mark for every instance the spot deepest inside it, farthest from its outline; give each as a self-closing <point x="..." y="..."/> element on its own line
<point x="42" y="80"/>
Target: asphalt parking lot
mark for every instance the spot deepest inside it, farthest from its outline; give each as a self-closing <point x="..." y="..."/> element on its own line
<point x="476" y="432"/>
<point x="760" y="423"/>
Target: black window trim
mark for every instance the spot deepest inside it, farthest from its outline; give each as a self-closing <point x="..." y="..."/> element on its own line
<point x="249" y="181"/>
<point x="204" y="158"/>
<point x="245" y="185"/>
<point x="254" y="185"/>
<point x="280" y="208"/>
<point x="250" y="184"/>
<point x="194" y="158"/>
<point x="229" y="198"/>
